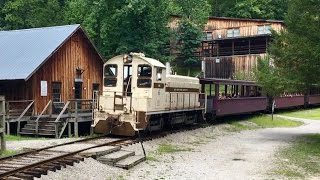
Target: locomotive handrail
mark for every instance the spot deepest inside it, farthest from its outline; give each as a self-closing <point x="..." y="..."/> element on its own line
<point x="129" y="81"/>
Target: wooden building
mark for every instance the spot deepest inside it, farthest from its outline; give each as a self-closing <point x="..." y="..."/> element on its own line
<point x="231" y="46"/>
<point x="43" y="65"/>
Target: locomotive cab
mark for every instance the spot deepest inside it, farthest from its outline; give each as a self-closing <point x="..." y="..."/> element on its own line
<point x="133" y="85"/>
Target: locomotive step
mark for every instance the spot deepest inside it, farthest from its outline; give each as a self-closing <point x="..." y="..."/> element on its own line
<point x="112" y="158"/>
<point x="130" y="162"/>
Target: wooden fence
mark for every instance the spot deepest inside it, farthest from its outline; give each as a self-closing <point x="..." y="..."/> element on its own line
<point x="2" y="124"/>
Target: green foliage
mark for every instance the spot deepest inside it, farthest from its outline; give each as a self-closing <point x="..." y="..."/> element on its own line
<point x="194" y="15"/>
<point x="8" y="153"/>
<point x="259" y="121"/>
<point x="270" y="78"/>
<point x="124" y="26"/>
<point x="18" y="14"/>
<point x="141" y="26"/>
<point x="296" y="50"/>
<point x="190" y="35"/>
<point x="306" y="113"/>
<point x="265" y="121"/>
<point x="257" y="9"/>
<point x="302" y="159"/>
<point x="247" y="76"/>
<point x="169" y="148"/>
<point x="21" y="138"/>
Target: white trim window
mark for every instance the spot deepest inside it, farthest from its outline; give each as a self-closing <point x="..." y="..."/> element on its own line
<point x="264" y="29"/>
<point x="209" y="36"/>
<point x="233" y="32"/>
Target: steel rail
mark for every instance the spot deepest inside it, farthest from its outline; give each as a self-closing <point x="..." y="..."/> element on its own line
<point x="48" y="147"/>
<point x="54" y="159"/>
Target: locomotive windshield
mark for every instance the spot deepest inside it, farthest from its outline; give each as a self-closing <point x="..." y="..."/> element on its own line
<point x="110" y="70"/>
<point x="110" y="73"/>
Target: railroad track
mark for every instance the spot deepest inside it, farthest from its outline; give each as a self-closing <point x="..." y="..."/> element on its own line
<point x="38" y="162"/>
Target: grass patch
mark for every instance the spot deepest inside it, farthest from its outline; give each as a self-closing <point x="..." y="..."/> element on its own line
<point x="21" y="138"/>
<point x="265" y="121"/>
<point x="152" y="157"/>
<point x="237" y="126"/>
<point x="306" y="114"/>
<point x="259" y="121"/>
<point x="169" y="148"/>
<point x="8" y="153"/>
<point x="302" y="159"/>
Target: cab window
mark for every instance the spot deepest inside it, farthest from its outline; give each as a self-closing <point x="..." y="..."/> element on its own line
<point x="144" y="76"/>
<point x="144" y="70"/>
<point x="110" y="75"/>
<point x="111" y="70"/>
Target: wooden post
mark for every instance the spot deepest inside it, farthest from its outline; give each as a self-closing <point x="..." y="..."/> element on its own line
<point x="2" y="124"/>
<point x="69" y="125"/>
<point x="8" y="128"/>
<point x="76" y="132"/>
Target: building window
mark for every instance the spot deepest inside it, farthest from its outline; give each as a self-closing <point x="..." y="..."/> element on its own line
<point x="233" y="32"/>
<point x="264" y="29"/>
<point x="209" y="36"/>
<point x="56" y="91"/>
<point x="236" y="32"/>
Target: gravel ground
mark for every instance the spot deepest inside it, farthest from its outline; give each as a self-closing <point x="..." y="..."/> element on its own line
<point x="211" y="153"/>
<point x="36" y="144"/>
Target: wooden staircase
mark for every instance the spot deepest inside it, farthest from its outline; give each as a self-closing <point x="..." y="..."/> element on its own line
<point x="46" y="127"/>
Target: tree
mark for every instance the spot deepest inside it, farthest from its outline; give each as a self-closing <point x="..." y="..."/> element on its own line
<point x="270" y="78"/>
<point x="296" y="50"/>
<point x="194" y="15"/>
<point x="257" y="9"/>
<point x="18" y="14"/>
<point x="141" y="26"/>
<point x="124" y="26"/>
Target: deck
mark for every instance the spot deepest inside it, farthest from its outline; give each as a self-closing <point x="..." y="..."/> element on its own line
<point x="53" y="119"/>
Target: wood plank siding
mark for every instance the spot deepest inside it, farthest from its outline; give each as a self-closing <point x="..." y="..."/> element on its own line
<point x="247" y="27"/>
<point x="231" y="67"/>
<point x="75" y="53"/>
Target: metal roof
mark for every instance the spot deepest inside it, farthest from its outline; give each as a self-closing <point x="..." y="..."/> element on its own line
<point x="22" y="52"/>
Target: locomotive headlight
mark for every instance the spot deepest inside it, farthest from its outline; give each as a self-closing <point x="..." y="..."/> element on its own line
<point x="127" y="58"/>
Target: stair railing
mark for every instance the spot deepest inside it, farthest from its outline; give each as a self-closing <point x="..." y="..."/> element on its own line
<point x="56" y="128"/>
<point x="22" y="114"/>
<point x="49" y="104"/>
